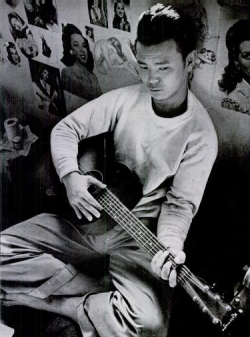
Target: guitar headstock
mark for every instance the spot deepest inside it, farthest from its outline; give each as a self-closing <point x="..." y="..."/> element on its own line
<point x="210" y="303"/>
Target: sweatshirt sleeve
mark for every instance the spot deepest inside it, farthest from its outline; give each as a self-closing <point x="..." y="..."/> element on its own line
<point x="184" y="197"/>
<point x="95" y="117"/>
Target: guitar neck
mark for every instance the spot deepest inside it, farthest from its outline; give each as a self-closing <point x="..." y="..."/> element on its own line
<point x="137" y="230"/>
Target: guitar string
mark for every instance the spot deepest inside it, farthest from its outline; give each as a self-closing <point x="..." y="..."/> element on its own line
<point x="184" y="272"/>
<point x="147" y="232"/>
<point x="141" y="227"/>
<point x="149" y="236"/>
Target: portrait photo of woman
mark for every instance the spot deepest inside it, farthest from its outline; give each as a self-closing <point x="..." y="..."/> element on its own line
<point x="48" y="92"/>
<point x="12" y="54"/>
<point x="42" y="13"/>
<point x="120" y="20"/>
<point x="22" y="35"/>
<point x="98" y="12"/>
<point x="108" y="54"/>
<point x="78" y="77"/>
<point x="235" y="81"/>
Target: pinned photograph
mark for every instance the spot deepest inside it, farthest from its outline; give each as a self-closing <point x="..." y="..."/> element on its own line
<point x="42" y="13"/>
<point x="47" y="88"/>
<point x="121" y="20"/>
<point x="78" y="77"/>
<point x="12" y="3"/>
<point x="235" y="81"/>
<point x="89" y="31"/>
<point x="109" y="54"/>
<point x="98" y="14"/>
<point x="22" y="35"/>
<point x="12" y="54"/>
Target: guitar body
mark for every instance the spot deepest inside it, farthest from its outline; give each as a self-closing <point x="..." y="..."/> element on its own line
<point x="121" y="195"/>
<point x="96" y="157"/>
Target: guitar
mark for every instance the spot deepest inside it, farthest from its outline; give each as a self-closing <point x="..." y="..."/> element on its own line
<point x="220" y="313"/>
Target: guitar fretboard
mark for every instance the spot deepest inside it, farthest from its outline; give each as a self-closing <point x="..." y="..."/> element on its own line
<point x="136" y="229"/>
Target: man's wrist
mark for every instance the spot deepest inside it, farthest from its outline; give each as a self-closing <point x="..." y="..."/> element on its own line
<point x="69" y="176"/>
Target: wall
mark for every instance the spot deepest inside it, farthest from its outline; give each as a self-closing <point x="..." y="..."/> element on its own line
<point x="17" y="90"/>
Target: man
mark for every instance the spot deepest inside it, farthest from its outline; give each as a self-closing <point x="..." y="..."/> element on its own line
<point x="164" y="135"/>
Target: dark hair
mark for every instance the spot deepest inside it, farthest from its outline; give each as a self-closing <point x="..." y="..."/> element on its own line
<point x="69" y="59"/>
<point x="9" y="46"/>
<point x="115" y="8"/>
<point x="232" y="75"/>
<point x="162" y="23"/>
<point x="16" y="34"/>
<point x="117" y="19"/>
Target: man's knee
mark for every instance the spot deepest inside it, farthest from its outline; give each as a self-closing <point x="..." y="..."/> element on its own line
<point x="151" y="318"/>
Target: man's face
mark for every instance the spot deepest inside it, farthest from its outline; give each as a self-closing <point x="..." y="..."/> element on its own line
<point x="244" y="57"/>
<point x="163" y="71"/>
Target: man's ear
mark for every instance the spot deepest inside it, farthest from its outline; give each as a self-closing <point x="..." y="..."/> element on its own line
<point x="190" y="60"/>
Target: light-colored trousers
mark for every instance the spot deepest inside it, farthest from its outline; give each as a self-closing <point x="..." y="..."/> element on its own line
<point x="48" y="256"/>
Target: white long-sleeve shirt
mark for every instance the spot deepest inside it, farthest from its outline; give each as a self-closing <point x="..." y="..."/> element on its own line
<point x="172" y="157"/>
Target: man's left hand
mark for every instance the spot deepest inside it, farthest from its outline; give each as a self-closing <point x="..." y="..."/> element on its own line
<point x="164" y="268"/>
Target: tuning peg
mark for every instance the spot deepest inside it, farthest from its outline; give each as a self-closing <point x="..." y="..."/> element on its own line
<point x="215" y="320"/>
<point x="204" y="309"/>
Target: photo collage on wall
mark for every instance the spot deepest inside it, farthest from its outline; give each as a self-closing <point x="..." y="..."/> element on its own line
<point x="87" y="57"/>
<point x="28" y="21"/>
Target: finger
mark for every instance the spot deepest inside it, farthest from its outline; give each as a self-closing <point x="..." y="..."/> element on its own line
<point x="85" y="206"/>
<point x="165" y="271"/>
<point x="158" y="262"/>
<point x="155" y="258"/>
<point x="85" y="212"/>
<point x="173" y="278"/>
<point x="96" y="182"/>
<point x="161" y="259"/>
<point x="180" y="257"/>
<point x="92" y="201"/>
<point x="78" y="213"/>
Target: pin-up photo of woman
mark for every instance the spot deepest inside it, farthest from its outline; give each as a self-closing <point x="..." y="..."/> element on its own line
<point x="47" y="88"/>
<point x="78" y="77"/>
<point x="42" y="13"/>
<point x="108" y="54"/>
<point x="12" y="54"/>
<point x="235" y="81"/>
<point x="98" y="12"/>
<point x="120" y="20"/>
<point x="22" y="35"/>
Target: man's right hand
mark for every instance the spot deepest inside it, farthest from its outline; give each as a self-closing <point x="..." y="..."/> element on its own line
<point x="79" y="197"/>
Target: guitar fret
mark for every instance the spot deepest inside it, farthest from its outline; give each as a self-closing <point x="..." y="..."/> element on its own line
<point x="146" y="239"/>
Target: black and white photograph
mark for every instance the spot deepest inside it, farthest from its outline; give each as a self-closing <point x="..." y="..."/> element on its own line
<point x="89" y="31"/>
<point x="127" y="215"/>
<point x="42" y="13"/>
<point x="12" y="3"/>
<point x="12" y="54"/>
<point x="22" y="35"/>
<point x="77" y="75"/>
<point x="235" y="81"/>
<point x="121" y="19"/>
<point x="47" y="88"/>
<point x="98" y="14"/>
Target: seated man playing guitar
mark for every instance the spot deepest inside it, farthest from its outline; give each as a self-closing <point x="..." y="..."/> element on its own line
<point x="163" y="134"/>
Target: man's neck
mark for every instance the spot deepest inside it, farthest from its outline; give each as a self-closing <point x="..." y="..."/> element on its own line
<point x="169" y="111"/>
